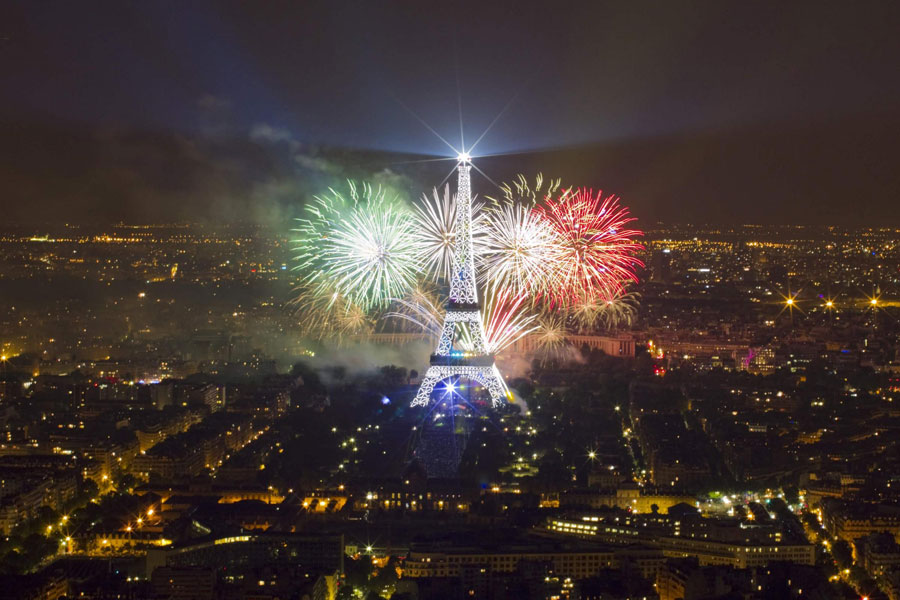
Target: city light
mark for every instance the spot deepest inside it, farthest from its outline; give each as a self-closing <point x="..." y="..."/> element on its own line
<point x="231" y="301"/>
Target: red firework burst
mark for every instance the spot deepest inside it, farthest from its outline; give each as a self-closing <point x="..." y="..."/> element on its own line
<point x="595" y="246"/>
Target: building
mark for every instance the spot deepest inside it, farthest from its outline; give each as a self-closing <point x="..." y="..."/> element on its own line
<point x="711" y="542"/>
<point x="565" y="561"/>
<point x="851" y="520"/>
<point x="626" y="497"/>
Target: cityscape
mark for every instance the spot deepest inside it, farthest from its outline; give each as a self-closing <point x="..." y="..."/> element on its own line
<point x="142" y="431"/>
<point x="241" y="361"/>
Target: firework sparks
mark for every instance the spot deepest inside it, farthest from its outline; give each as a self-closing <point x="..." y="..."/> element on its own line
<point x="589" y="315"/>
<point x="521" y="191"/>
<point x="620" y="310"/>
<point x="435" y="221"/>
<point x="357" y="246"/>
<point x="435" y="232"/>
<point x="518" y="250"/>
<point x="585" y="313"/>
<point x="550" y="334"/>
<point x="596" y="249"/>
<point x="327" y="314"/>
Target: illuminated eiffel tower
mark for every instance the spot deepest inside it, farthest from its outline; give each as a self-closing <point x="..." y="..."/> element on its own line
<point x="463" y="311"/>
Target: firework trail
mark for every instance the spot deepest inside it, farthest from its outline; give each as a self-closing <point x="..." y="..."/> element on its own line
<point x="422" y="310"/>
<point x="505" y="318"/>
<point x="521" y="191"/>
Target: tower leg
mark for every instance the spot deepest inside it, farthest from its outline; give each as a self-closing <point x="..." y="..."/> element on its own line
<point x="489" y="378"/>
<point x="432" y="377"/>
<point x="492" y="381"/>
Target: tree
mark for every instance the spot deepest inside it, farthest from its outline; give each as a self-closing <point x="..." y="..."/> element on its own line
<point x="126" y="482"/>
<point x="386" y="576"/>
<point x="842" y="553"/>
<point x="394" y="376"/>
<point x="357" y="572"/>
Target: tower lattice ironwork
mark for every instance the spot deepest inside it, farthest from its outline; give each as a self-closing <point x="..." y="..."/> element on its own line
<point x="463" y="311"/>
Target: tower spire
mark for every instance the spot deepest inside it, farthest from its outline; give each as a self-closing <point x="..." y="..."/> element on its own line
<point x="463" y="310"/>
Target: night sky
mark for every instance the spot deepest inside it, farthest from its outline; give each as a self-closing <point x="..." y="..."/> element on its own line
<point x="722" y="112"/>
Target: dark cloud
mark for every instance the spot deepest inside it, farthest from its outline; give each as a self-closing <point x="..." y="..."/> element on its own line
<point x="836" y="172"/>
<point x="69" y="174"/>
<point x="703" y="111"/>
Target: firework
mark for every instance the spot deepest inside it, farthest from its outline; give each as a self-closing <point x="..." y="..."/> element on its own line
<point x="435" y="232"/>
<point x="584" y="314"/>
<point x="327" y="314"/>
<point x="596" y="249"/>
<point x="435" y="222"/>
<point x="592" y="314"/>
<point x="549" y="259"/>
<point x="357" y="246"/>
<point x="620" y="310"/>
<point x="518" y="249"/>
<point x="550" y="334"/>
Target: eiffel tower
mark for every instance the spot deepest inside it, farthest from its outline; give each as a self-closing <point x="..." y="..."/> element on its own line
<point x="463" y="309"/>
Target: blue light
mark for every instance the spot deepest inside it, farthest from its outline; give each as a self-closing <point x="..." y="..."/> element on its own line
<point x="385" y="400"/>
